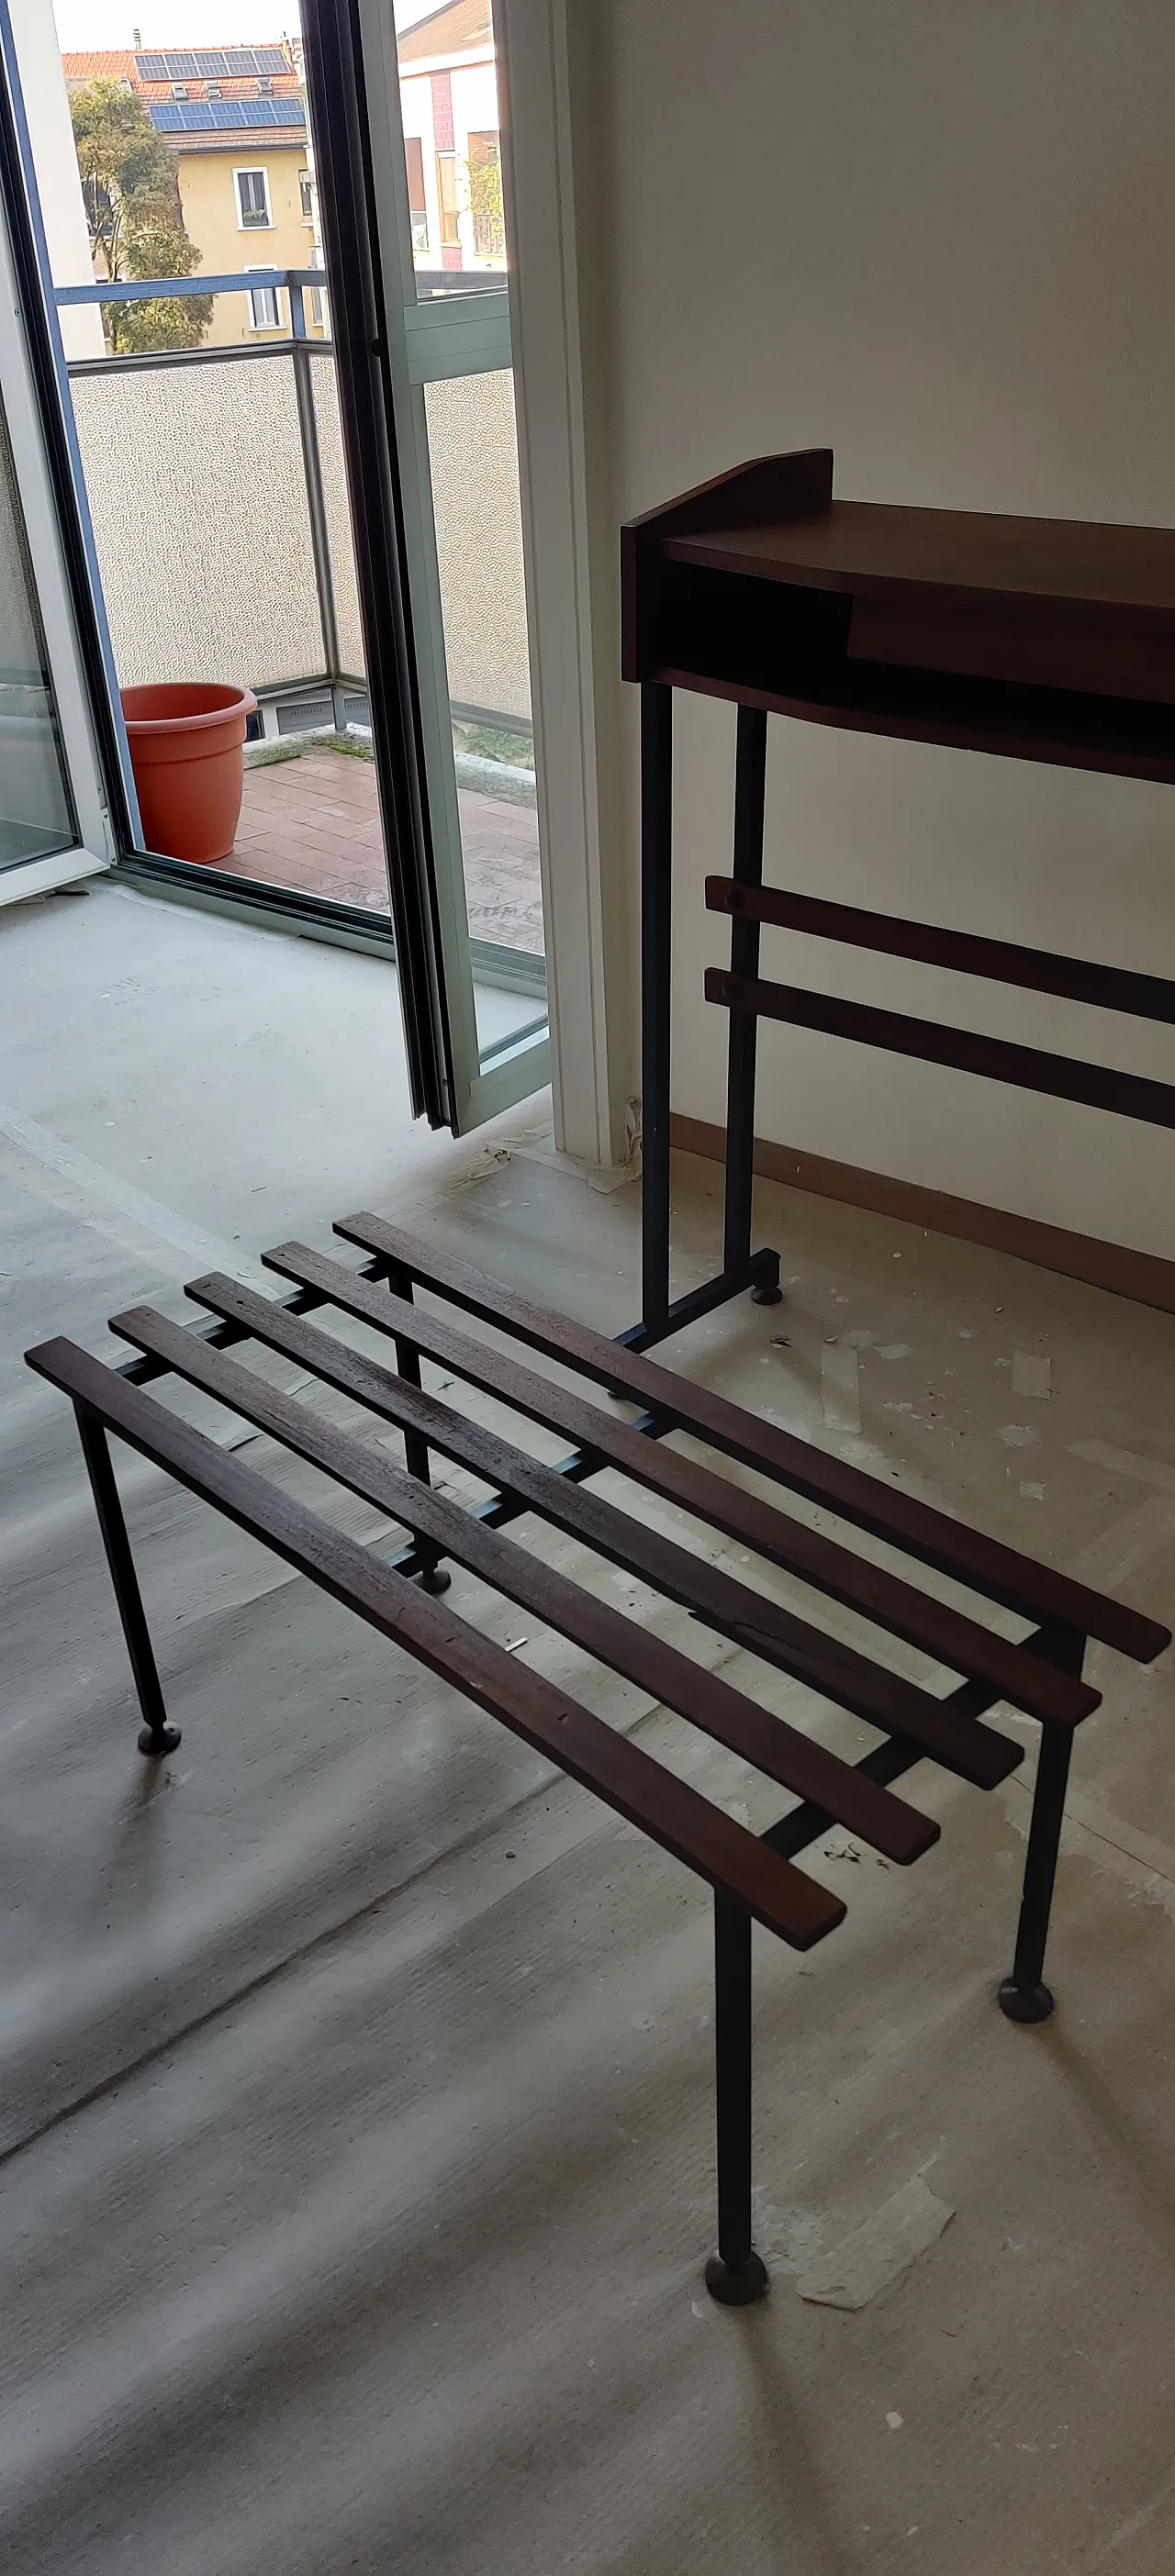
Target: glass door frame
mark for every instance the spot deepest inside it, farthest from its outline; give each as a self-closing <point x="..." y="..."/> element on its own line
<point x="28" y="374"/>
<point x="429" y="342"/>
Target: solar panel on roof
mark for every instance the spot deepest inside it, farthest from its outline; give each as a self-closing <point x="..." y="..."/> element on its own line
<point x="224" y="115"/>
<point x="212" y="62"/>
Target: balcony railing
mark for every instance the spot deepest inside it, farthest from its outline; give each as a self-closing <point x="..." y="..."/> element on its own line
<point x="217" y="492"/>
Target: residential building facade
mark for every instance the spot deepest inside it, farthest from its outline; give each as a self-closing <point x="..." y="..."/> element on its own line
<point x="235" y="120"/>
<point x="449" y="109"/>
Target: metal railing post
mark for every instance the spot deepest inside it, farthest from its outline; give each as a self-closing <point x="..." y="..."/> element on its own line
<point x="315" y="500"/>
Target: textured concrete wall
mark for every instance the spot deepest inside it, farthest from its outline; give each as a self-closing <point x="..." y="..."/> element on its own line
<point x="198" y="498"/>
<point x="473" y="452"/>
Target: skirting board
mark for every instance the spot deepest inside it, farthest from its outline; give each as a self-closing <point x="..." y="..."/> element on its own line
<point x="1143" y="1276"/>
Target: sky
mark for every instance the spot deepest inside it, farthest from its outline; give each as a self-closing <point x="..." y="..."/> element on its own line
<point x="85" y="23"/>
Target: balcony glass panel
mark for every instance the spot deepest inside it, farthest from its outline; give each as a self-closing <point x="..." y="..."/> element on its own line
<point x="35" y="813"/>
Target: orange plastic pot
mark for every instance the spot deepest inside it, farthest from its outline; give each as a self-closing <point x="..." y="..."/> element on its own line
<point x="185" y="740"/>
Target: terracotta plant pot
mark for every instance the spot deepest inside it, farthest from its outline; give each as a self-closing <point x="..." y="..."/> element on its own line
<point x="185" y="741"/>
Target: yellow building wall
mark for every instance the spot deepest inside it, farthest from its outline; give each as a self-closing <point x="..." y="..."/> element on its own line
<point x="208" y="196"/>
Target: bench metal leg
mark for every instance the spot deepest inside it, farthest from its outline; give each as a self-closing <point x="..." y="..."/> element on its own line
<point x="750" y="784"/>
<point x="434" y="1577"/>
<point x="155" y="1736"/>
<point x="734" y="2274"/>
<point x="1024" y="1996"/>
<point x="656" y="981"/>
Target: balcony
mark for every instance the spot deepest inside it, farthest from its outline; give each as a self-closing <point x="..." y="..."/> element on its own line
<point x="217" y="495"/>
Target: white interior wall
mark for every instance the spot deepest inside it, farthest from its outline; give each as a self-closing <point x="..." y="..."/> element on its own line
<point x="937" y="238"/>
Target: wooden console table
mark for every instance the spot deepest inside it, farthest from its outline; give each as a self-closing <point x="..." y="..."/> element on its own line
<point x="1043" y="639"/>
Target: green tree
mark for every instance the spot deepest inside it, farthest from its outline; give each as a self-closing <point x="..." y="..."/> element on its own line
<point x="133" y="212"/>
<point x="484" y="179"/>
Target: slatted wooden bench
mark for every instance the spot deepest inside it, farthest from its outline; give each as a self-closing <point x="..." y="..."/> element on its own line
<point x="752" y="1876"/>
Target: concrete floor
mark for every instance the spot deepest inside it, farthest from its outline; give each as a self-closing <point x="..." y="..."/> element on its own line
<point x="357" y="2088"/>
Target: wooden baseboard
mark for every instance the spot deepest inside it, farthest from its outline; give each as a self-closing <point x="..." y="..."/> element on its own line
<point x="1149" y="1280"/>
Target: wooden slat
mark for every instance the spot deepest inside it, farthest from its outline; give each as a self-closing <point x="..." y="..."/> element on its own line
<point x="1001" y="1573"/>
<point x="780" y="1751"/>
<point x="1036" y="970"/>
<point x="871" y="1590"/>
<point x="1061" y="1077"/>
<point x="627" y="1779"/>
<point x="764" y="1627"/>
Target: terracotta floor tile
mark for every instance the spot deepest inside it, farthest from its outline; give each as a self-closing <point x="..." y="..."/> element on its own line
<point x="313" y="823"/>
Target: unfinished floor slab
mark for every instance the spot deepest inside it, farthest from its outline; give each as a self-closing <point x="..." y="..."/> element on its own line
<point x="357" y="2098"/>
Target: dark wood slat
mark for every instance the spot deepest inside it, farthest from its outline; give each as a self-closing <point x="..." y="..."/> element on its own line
<point x="780" y="1751"/>
<point x="884" y="1598"/>
<point x="764" y="1627"/>
<point x="1055" y="726"/>
<point x="627" y="1779"/>
<point x="1062" y="1077"/>
<point x="1017" y="1582"/>
<point x="1037" y="970"/>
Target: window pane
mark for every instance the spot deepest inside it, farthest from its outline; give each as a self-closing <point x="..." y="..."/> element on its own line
<point x="35" y="816"/>
<point x="473" y="458"/>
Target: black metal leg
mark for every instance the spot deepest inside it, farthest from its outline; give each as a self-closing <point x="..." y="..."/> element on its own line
<point x="656" y="976"/>
<point x="734" y="2274"/>
<point x="434" y="1577"/>
<point x="750" y="781"/>
<point x="155" y="1736"/>
<point x="1024" y="1996"/>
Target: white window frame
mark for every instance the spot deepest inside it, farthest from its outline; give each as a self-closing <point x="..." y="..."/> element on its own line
<point x="252" y="295"/>
<point x="95" y="848"/>
<point x="591" y="1053"/>
<point x="252" y="170"/>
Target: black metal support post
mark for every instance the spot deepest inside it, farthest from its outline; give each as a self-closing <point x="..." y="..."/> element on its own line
<point x="155" y="1736"/>
<point x="1024" y="1996"/>
<point x="656" y="965"/>
<point x="750" y="782"/>
<point x="735" y="2274"/>
<point x="434" y="1577"/>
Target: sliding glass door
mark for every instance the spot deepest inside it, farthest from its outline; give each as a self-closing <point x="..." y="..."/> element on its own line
<point x="293" y="468"/>
<point x="439" y="225"/>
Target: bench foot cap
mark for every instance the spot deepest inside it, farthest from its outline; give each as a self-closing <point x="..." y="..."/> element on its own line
<point x="737" y="2288"/>
<point x="1024" y="2003"/>
<point x="159" y="1740"/>
<point x="435" y="1578"/>
<point x="767" y="1295"/>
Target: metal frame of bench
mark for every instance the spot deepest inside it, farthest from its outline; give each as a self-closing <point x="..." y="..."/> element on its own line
<point x="752" y="1876"/>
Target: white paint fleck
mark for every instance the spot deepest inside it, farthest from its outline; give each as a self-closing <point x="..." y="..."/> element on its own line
<point x="1032" y="1373"/>
<point x="1030" y="1493"/>
<point x="894" y="1351"/>
<point x="965" y="1333"/>
<point x="1017" y="1435"/>
<point x="877" y="2252"/>
<point x="861" y="1338"/>
<point x="895" y="2421"/>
